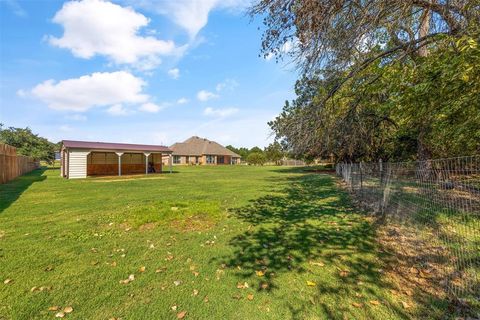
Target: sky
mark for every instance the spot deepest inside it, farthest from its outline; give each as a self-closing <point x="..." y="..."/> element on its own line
<point x="139" y="71"/>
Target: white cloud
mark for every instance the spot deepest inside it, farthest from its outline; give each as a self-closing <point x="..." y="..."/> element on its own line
<point x="204" y="95"/>
<point x="76" y="117"/>
<point x="287" y="47"/>
<point x="65" y="128"/>
<point x="97" y="89"/>
<point x="151" y="107"/>
<point x="191" y="15"/>
<point x="182" y="101"/>
<point x="94" y="27"/>
<point x="117" y="110"/>
<point x="174" y="73"/>
<point x="228" y="84"/>
<point x="21" y="93"/>
<point x="16" y="8"/>
<point x="219" y="113"/>
<point x="269" y="56"/>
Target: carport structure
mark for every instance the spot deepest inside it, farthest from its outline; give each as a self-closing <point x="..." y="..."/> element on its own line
<point x="80" y="159"/>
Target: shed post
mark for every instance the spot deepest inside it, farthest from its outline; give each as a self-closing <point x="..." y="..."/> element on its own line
<point x="170" y="162"/>
<point x="146" y="161"/>
<point x="119" y="154"/>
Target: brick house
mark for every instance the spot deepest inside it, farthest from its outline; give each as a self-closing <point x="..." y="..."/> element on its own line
<point x="196" y="150"/>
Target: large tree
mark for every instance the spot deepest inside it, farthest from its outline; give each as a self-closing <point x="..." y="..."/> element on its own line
<point x="28" y="143"/>
<point x="349" y="52"/>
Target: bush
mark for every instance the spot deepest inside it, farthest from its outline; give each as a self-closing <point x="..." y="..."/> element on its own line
<point x="256" y="158"/>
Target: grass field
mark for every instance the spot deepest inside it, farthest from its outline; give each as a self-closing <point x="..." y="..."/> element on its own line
<point x="203" y="243"/>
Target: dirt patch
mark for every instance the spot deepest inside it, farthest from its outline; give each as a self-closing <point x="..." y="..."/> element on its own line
<point x="197" y="222"/>
<point x="420" y="268"/>
<point x="147" y="226"/>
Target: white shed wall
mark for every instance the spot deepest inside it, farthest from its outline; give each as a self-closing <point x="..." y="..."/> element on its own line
<point x="77" y="167"/>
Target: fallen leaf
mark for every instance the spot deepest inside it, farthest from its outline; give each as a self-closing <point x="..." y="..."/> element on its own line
<point x="311" y="283"/>
<point x="181" y="315"/>
<point x="263" y="285"/>
<point x="142" y="269"/>
<point x="129" y="279"/>
<point x="49" y="268"/>
<point x="33" y="289"/>
<point x="250" y="296"/>
<point x="68" y="309"/>
<point x="192" y="268"/>
<point x="177" y="282"/>
<point x="174" y="308"/>
<point x="242" y="285"/>
<point x="375" y="302"/>
<point x="357" y="304"/>
<point x="60" y="315"/>
<point x="7" y="281"/>
<point x="196" y="274"/>
<point x="408" y="292"/>
<point x="205" y="299"/>
<point x="237" y="297"/>
<point x="260" y="273"/>
<point x="344" y="273"/>
<point x="318" y="264"/>
<point x="405" y="305"/>
<point x="53" y="308"/>
<point x="195" y="292"/>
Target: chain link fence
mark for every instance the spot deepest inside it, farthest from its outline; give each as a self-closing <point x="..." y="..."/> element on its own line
<point x="432" y="211"/>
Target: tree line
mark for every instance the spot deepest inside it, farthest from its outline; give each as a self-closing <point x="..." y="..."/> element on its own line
<point x="256" y="156"/>
<point x="392" y="80"/>
<point x="29" y="144"/>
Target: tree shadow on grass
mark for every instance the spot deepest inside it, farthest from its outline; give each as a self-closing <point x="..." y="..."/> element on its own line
<point x="12" y="190"/>
<point x="310" y="221"/>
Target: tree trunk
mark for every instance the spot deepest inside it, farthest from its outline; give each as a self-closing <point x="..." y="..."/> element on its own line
<point x="423" y="151"/>
<point x="424" y="31"/>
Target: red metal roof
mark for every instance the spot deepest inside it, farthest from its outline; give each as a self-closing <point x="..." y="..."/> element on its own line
<point x="114" y="146"/>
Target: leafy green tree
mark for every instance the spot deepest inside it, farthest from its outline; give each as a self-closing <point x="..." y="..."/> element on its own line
<point x="255" y="150"/>
<point x="256" y="158"/>
<point x="381" y="79"/>
<point x="28" y="143"/>
<point x="243" y="152"/>
<point x="274" y="152"/>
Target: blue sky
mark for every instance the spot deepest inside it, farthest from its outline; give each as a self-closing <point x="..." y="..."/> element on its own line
<point x="144" y="71"/>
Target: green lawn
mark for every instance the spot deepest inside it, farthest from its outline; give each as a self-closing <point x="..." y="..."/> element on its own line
<point x="202" y="235"/>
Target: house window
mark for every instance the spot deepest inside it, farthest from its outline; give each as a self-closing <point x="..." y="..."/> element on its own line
<point x="196" y="160"/>
<point x="187" y="159"/>
<point x="176" y="159"/>
<point x="210" y="159"/>
<point x="220" y="159"/>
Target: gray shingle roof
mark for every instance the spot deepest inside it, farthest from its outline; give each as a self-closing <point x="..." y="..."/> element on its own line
<point x="196" y="146"/>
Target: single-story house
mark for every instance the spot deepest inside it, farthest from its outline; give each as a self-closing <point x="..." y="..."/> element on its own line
<point x="196" y="150"/>
<point x="80" y="159"/>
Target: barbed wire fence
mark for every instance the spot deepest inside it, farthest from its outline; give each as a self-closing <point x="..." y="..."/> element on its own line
<point x="433" y="204"/>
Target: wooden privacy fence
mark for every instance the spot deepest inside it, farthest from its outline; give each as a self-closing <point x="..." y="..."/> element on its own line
<point x="13" y="165"/>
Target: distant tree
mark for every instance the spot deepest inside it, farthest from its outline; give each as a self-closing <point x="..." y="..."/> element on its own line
<point x="242" y="152"/>
<point x="256" y="150"/>
<point x="256" y="158"/>
<point x="28" y="143"/>
<point x="274" y="152"/>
